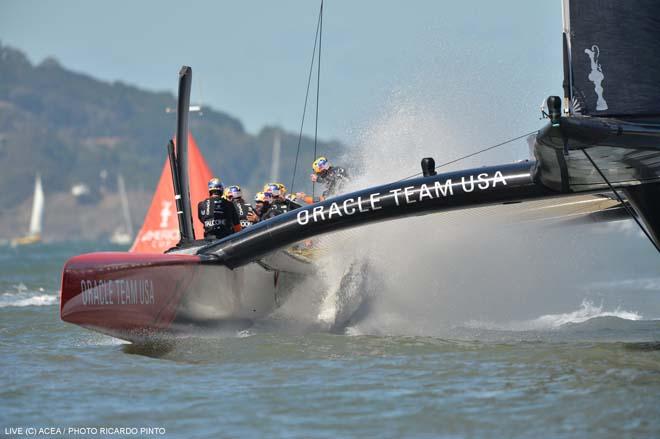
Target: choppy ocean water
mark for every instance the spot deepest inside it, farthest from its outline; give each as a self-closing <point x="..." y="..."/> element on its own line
<point x="591" y="369"/>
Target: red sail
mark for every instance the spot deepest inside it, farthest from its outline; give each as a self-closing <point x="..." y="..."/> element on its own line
<point x="160" y="229"/>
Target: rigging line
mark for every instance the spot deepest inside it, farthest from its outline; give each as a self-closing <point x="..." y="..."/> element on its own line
<point x="302" y="122"/>
<point x="474" y="153"/>
<point x="318" y="87"/>
<point x="624" y="204"/>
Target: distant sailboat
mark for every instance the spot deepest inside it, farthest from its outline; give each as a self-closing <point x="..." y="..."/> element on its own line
<point x="123" y="235"/>
<point x="36" y="220"/>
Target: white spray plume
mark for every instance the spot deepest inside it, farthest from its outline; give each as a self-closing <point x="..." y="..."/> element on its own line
<point x="425" y="275"/>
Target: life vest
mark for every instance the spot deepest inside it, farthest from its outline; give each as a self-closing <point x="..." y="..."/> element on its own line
<point x="276" y="208"/>
<point x="218" y="216"/>
<point x="243" y="209"/>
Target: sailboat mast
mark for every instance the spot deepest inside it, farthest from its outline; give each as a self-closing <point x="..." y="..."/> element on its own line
<point x="183" y="107"/>
<point x="128" y="224"/>
<point x="36" y="218"/>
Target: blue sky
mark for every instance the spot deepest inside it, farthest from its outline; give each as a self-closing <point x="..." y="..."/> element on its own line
<point x="486" y="64"/>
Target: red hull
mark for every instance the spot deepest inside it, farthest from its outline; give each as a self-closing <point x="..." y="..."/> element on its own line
<point x="127" y="295"/>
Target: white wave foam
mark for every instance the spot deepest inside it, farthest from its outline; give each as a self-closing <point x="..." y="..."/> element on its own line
<point x="353" y="331"/>
<point x="23" y="296"/>
<point x="587" y="311"/>
<point x="245" y="333"/>
<point x="40" y="300"/>
<point x="96" y="339"/>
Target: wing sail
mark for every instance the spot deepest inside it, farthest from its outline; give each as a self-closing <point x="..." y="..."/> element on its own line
<point x="613" y="55"/>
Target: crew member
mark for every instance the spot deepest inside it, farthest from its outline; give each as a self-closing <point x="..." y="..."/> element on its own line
<point x="333" y="178"/>
<point x="261" y="205"/>
<point x="277" y="207"/>
<point x="288" y="199"/>
<point x="218" y="215"/>
<point x="235" y="195"/>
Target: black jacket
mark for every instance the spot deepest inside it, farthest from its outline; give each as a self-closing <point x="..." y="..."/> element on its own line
<point x="276" y="208"/>
<point x="242" y="209"/>
<point x="219" y="217"/>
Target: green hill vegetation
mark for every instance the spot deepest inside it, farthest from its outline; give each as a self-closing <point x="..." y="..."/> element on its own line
<point x="72" y="128"/>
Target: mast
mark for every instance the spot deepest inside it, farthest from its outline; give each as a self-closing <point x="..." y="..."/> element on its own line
<point x="176" y="183"/>
<point x="183" y="106"/>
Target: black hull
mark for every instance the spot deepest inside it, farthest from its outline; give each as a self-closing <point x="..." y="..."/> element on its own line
<point x="443" y="192"/>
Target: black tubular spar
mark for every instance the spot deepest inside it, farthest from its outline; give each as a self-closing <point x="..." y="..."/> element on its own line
<point x="176" y="183"/>
<point x="183" y="106"/>
<point x="457" y="190"/>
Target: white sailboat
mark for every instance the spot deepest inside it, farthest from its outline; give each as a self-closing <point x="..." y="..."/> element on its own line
<point x="36" y="218"/>
<point x="123" y="235"/>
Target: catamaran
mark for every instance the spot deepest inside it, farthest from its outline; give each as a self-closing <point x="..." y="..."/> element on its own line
<point x="600" y="148"/>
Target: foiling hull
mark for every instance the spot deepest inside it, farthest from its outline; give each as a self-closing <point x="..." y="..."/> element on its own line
<point x="140" y="296"/>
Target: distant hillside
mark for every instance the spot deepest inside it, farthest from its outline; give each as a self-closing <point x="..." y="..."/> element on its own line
<point x="70" y="127"/>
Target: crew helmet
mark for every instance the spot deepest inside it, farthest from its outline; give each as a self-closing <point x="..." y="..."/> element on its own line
<point x="282" y="188"/>
<point x="320" y="165"/>
<point x="235" y="191"/>
<point x="215" y="185"/>
<point x="273" y="189"/>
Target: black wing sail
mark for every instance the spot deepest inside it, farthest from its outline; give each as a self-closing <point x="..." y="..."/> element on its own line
<point x="613" y="55"/>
